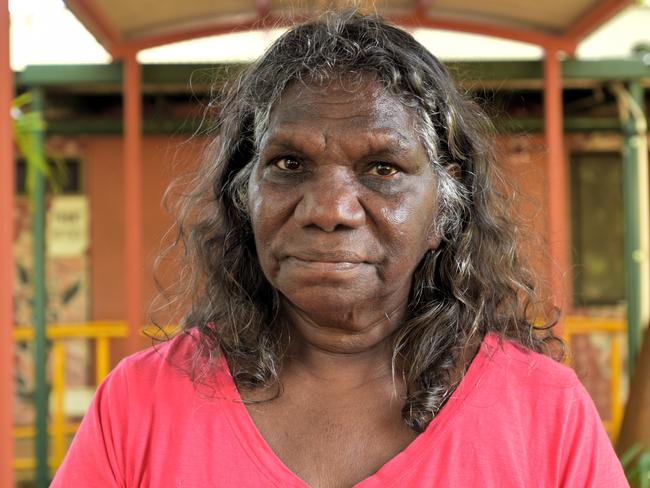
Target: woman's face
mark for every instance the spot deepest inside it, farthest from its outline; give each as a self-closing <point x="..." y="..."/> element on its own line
<point x="342" y="200"/>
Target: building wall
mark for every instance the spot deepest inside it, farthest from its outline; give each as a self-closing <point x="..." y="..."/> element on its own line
<point x="164" y="158"/>
<point x="521" y="159"/>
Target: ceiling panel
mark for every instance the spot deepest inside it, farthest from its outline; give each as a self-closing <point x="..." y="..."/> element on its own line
<point x="552" y="16"/>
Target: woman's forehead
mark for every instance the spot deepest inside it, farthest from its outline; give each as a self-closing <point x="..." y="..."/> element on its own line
<point x="358" y="123"/>
<point x="365" y="102"/>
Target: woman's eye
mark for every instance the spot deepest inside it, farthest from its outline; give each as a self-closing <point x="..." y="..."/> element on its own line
<point x="384" y="169"/>
<point x="288" y="164"/>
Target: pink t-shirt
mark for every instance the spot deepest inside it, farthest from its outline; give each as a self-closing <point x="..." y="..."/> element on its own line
<point x="517" y="419"/>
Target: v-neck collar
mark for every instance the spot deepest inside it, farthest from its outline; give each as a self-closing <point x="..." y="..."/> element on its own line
<point x="274" y="469"/>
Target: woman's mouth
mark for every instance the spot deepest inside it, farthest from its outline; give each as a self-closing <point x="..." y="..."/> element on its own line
<point x="324" y="265"/>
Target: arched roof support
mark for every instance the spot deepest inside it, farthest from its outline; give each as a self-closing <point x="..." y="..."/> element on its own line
<point x="593" y="19"/>
<point x="421" y="16"/>
<point x="418" y="19"/>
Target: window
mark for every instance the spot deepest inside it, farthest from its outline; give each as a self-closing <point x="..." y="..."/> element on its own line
<point x="70" y="183"/>
<point x="597" y="228"/>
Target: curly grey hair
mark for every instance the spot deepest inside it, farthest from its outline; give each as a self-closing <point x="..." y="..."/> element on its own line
<point x="474" y="283"/>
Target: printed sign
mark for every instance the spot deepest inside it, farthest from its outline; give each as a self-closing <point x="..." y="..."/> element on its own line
<point x="67" y="226"/>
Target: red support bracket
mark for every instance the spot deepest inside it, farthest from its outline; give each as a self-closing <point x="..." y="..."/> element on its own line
<point x="97" y="23"/>
<point x="593" y="19"/>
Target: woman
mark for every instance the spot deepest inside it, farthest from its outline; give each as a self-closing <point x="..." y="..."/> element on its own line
<point x="359" y="313"/>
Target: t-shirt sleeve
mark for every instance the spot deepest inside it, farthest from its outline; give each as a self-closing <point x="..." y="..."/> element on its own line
<point x="96" y="455"/>
<point x="590" y="460"/>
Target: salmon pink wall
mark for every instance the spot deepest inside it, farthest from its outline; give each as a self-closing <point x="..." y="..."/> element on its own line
<point x="163" y="159"/>
<point x="522" y="159"/>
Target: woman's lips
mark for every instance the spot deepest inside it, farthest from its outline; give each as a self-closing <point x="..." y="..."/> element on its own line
<point x="326" y="256"/>
<point x="324" y="261"/>
<point x="325" y="265"/>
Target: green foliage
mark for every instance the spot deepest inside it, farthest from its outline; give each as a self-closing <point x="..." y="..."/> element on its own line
<point x="71" y="292"/>
<point x="636" y="463"/>
<point x="23" y="275"/>
<point x="28" y="126"/>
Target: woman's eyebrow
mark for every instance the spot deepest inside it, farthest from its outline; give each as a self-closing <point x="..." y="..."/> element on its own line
<point x="293" y="139"/>
<point x="387" y="141"/>
<point x="377" y="141"/>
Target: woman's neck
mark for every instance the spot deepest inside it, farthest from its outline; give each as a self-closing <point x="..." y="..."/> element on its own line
<point x="346" y="355"/>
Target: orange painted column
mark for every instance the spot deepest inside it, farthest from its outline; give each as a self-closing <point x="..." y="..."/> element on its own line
<point x="558" y="224"/>
<point x="134" y="263"/>
<point x="6" y="254"/>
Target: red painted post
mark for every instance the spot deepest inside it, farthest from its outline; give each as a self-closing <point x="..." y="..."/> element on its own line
<point x="133" y="198"/>
<point x="558" y="226"/>
<point x="6" y="255"/>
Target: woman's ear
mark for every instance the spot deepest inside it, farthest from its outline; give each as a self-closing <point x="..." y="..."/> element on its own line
<point x="435" y="237"/>
<point x="453" y="170"/>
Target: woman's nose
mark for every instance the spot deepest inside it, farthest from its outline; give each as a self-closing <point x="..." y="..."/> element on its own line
<point x="330" y="202"/>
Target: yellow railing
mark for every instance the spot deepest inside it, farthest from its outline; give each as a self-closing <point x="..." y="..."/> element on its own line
<point x="615" y="328"/>
<point x="101" y="333"/>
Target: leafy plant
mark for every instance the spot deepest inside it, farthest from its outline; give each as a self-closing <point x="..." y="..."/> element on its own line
<point x="636" y="464"/>
<point x="27" y="125"/>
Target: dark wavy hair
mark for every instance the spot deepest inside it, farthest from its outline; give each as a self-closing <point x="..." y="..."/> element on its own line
<point x="474" y="283"/>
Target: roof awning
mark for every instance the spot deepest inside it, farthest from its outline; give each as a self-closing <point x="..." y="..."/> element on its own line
<point x="127" y="25"/>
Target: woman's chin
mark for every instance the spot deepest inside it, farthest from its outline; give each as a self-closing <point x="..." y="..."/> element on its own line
<point x="333" y="302"/>
<point x="341" y="312"/>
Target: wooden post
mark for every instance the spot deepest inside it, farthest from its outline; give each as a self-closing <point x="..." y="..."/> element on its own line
<point x="7" y="183"/>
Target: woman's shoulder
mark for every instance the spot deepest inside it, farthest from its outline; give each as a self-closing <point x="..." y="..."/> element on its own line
<point x="166" y="368"/>
<point x="512" y="396"/>
<point x="161" y="352"/>
<point x="527" y="366"/>
<point x="156" y="359"/>
<point x="517" y="378"/>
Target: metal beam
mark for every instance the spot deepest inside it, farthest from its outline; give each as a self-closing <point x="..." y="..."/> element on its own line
<point x="636" y="213"/>
<point x="112" y="74"/>
<point x="7" y="179"/>
<point x="570" y="124"/>
<point x="572" y="69"/>
<point x="102" y="126"/>
<point x="178" y="126"/>
<point x="39" y="307"/>
<point x="53" y="75"/>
